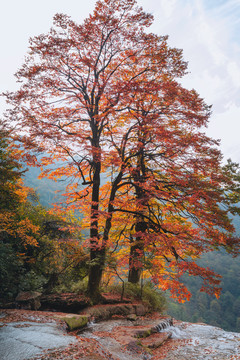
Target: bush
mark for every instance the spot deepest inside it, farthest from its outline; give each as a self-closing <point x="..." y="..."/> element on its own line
<point x="77" y="287"/>
<point x="11" y="270"/>
<point x="32" y="282"/>
<point x="153" y="298"/>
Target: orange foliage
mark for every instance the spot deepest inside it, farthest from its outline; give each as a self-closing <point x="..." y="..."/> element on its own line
<point x="17" y="227"/>
<point x="103" y="98"/>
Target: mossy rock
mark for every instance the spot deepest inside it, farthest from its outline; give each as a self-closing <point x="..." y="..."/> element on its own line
<point x="132" y="317"/>
<point x="75" y="322"/>
<point x="105" y="312"/>
<point x="143" y="333"/>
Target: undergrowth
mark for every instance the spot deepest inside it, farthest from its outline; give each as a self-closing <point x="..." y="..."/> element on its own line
<point x="76" y="287"/>
<point x="148" y="294"/>
<point x="151" y="297"/>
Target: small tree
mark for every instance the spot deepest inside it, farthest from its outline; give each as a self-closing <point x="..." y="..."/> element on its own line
<point x="10" y="171"/>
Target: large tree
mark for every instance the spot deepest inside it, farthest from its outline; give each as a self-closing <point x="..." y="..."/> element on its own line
<point x="179" y="195"/>
<point x="103" y="97"/>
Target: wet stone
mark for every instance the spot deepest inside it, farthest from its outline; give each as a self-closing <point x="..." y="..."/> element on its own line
<point x="155" y="340"/>
<point x="23" y="340"/>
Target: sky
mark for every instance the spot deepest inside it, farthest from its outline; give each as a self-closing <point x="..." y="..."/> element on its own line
<point x="208" y="31"/>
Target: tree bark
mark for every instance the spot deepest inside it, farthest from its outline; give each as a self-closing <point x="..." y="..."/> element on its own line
<point x="97" y="249"/>
<point x="136" y="257"/>
<point x="137" y="254"/>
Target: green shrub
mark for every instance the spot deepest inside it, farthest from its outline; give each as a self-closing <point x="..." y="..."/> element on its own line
<point x="130" y="291"/>
<point x="11" y="270"/>
<point x="150" y="296"/>
<point x="77" y="287"/>
<point x="153" y="298"/>
<point x="32" y="281"/>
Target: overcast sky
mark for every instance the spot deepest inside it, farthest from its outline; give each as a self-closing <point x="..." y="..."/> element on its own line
<point x="208" y="31"/>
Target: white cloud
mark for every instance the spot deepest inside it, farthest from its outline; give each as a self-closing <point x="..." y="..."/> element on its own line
<point x="234" y="71"/>
<point x="168" y="7"/>
<point x="208" y="33"/>
<point x="229" y="121"/>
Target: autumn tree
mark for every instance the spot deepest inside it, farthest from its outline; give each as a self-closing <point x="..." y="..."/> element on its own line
<point x="102" y="97"/>
<point x="12" y="191"/>
<point x="179" y="194"/>
<point x="17" y="232"/>
<point x="9" y="174"/>
<point x="59" y="254"/>
<point x="37" y="247"/>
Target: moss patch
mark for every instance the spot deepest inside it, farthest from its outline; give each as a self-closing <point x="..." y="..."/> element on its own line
<point x="143" y="333"/>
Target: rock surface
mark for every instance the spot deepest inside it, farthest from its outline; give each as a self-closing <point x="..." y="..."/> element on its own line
<point x="29" y="300"/>
<point x="23" y="340"/>
<point x="27" y="333"/>
<point x="200" y="342"/>
<point x="155" y="340"/>
<point x="184" y="341"/>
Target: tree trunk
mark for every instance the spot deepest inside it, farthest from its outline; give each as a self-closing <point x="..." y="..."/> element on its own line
<point x="137" y="254"/>
<point x="136" y="257"/>
<point x="98" y="256"/>
<point x="95" y="275"/>
<point x="97" y="249"/>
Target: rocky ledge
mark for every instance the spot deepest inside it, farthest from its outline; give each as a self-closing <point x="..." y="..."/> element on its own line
<point x="136" y="338"/>
<point x="181" y="341"/>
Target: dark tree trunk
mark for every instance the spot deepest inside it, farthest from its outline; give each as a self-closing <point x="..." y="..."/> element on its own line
<point x="97" y="248"/>
<point x="137" y="254"/>
<point x="52" y="281"/>
<point x="95" y="275"/>
<point x="136" y="257"/>
<point x="97" y="256"/>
